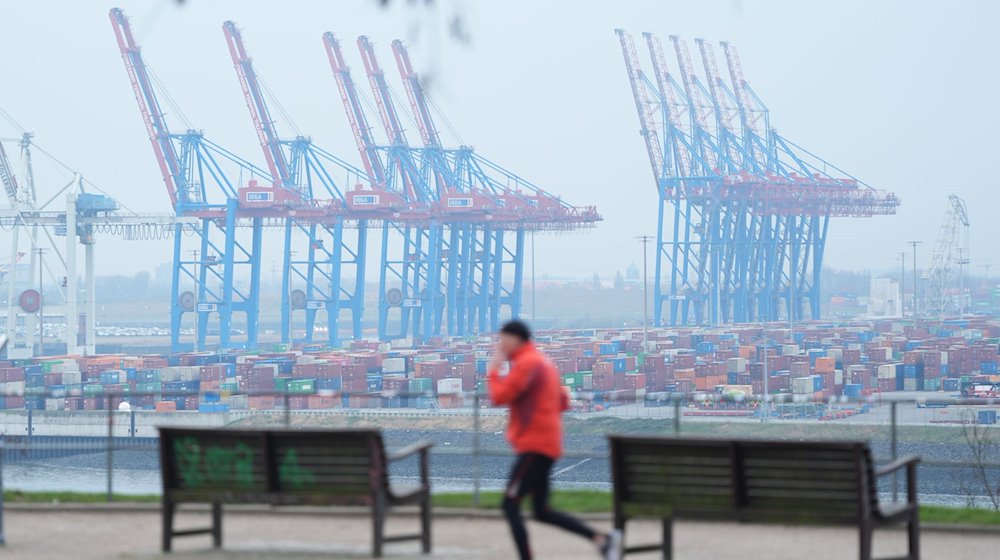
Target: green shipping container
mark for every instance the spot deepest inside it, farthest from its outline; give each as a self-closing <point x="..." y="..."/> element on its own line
<point x="93" y="390"/>
<point x="281" y="384"/>
<point x="148" y="387"/>
<point x="420" y="384"/>
<point x="302" y="386"/>
<point x="231" y="387"/>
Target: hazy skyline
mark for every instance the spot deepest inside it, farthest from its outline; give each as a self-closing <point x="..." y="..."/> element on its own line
<point x="895" y="93"/>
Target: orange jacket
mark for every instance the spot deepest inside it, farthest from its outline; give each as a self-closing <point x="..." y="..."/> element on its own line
<point x="537" y="400"/>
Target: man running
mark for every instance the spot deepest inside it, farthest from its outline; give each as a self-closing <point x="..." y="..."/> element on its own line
<point x="536" y="398"/>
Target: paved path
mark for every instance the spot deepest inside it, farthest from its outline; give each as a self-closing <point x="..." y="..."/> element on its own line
<point x="103" y="535"/>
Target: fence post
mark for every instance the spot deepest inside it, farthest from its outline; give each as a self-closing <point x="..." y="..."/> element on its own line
<point x="111" y="444"/>
<point x="475" y="449"/>
<point x="31" y="428"/>
<point x="2" y="445"/>
<point x="288" y="411"/>
<point x="131" y="429"/>
<point x="677" y="416"/>
<point x="893" y="444"/>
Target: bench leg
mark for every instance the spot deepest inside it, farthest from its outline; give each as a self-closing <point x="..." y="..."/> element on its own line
<point x="425" y="522"/>
<point x="865" y="542"/>
<point x="668" y="539"/>
<point x="217" y="524"/>
<point x="913" y="537"/>
<point x="378" y="525"/>
<point x="167" y="509"/>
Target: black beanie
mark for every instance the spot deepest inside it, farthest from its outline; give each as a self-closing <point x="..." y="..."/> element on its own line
<point x="518" y="329"/>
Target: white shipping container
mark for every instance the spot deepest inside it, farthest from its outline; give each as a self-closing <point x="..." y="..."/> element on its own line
<point x="789" y="349"/>
<point x="838" y="377"/>
<point x="72" y="378"/>
<point x="887" y="371"/>
<point x="427" y="357"/>
<point x="13" y="388"/>
<point x="449" y="386"/>
<point x="55" y="404"/>
<point x="803" y="385"/>
<point x="238" y="402"/>
<point x="401" y="343"/>
<point x="836" y="353"/>
<point x="910" y="384"/>
<point x="394" y="365"/>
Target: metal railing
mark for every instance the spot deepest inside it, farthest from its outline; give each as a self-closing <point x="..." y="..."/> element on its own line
<point x="666" y="412"/>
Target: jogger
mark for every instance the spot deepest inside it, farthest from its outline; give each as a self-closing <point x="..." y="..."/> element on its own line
<point x="533" y="391"/>
<point x="530" y="475"/>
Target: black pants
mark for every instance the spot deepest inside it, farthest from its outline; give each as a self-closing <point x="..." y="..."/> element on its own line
<point x="530" y="475"/>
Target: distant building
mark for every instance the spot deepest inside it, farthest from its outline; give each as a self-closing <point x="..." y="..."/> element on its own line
<point x="632" y="274"/>
<point x="884" y="299"/>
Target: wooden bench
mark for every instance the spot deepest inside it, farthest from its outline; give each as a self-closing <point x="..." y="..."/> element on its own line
<point x="287" y="467"/>
<point x="776" y="482"/>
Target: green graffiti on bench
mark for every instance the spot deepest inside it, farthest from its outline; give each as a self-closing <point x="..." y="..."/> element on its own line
<point x="293" y="475"/>
<point x="213" y="465"/>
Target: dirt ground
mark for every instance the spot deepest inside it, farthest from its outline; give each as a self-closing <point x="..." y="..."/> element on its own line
<point x="103" y="535"/>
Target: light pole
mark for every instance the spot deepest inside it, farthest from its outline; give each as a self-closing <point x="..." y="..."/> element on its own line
<point x="963" y="259"/>
<point x="914" y="244"/>
<point x="645" y="239"/>
<point x="534" y="318"/>
<point x="197" y="300"/>
<point x="764" y="406"/>
<point x="41" y="309"/>
<point x="902" y="291"/>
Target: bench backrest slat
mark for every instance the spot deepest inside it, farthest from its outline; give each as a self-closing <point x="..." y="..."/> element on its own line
<point x="790" y="482"/>
<point x="278" y="466"/>
<point x="672" y="474"/>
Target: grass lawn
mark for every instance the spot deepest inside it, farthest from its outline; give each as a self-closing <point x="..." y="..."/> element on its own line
<point x="577" y="501"/>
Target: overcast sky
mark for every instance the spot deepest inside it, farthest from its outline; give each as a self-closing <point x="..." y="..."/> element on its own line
<point x="900" y="94"/>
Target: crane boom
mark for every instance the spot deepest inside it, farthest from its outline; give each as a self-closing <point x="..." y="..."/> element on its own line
<point x="417" y="96"/>
<point x="152" y="115"/>
<point x="259" y="112"/>
<point x="668" y="99"/>
<point x="751" y="122"/>
<point x="355" y="113"/>
<point x="725" y="116"/>
<point x="642" y="104"/>
<point x="390" y="120"/>
<point x="698" y="107"/>
<point x="8" y="179"/>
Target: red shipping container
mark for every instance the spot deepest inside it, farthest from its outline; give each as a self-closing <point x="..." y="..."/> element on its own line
<point x="323" y="401"/>
<point x="260" y="402"/>
<point x="634" y="381"/>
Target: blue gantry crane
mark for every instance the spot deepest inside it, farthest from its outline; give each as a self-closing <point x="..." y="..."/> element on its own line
<point x="318" y="253"/>
<point x="452" y="223"/>
<point x="743" y="211"/>
<point x="505" y="207"/>
<point x="205" y="181"/>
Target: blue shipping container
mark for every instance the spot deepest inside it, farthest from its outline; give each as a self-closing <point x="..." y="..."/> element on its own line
<point x="987" y="417"/>
<point x="329" y="384"/>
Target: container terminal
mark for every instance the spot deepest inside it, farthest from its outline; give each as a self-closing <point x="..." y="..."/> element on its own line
<point x="602" y="368"/>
